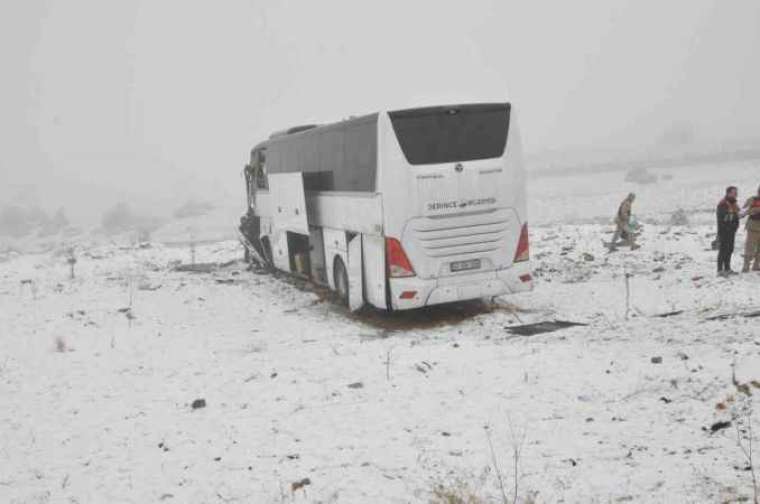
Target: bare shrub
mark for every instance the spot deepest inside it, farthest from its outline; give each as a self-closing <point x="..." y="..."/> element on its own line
<point x="71" y="260"/>
<point x="470" y="489"/>
<point x="516" y="441"/>
<point x="745" y="440"/>
<point x="742" y="410"/>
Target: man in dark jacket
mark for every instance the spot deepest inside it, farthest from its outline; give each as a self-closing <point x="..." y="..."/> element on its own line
<point x="728" y="222"/>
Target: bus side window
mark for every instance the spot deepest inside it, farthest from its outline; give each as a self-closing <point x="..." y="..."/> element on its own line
<point x="260" y="171"/>
<point x="359" y="158"/>
<point x="248" y="174"/>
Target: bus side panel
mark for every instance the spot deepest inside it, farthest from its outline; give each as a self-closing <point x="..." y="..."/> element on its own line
<point x="355" y="273"/>
<point x="317" y="256"/>
<point x="288" y="196"/>
<point x="280" y="252"/>
<point x="392" y="180"/>
<point x="262" y="203"/>
<point x="516" y="164"/>
<point x="374" y="270"/>
<point x="335" y="246"/>
<point x="350" y="211"/>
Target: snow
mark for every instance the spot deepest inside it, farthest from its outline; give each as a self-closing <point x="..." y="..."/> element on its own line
<point x="370" y="408"/>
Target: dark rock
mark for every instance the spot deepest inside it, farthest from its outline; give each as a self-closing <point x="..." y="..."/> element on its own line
<point x="197" y="268"/>
<point x="297" y="485"/>
<point x="199" y="403"/>
<point x="669" y="314"/>
<point x="656" y="359"/>
<point x="356" y="385"/>
<point x="718" y="426"/>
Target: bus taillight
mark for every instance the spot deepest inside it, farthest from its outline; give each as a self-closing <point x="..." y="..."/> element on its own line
<point x="523" y="246"/>
<point x="398" y="264"/>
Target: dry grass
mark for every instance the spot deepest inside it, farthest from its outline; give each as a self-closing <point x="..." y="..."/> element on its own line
<point x="458" y="492"/>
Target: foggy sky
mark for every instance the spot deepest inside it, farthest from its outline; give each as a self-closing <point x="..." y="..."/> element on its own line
<point x="161" y="100"/>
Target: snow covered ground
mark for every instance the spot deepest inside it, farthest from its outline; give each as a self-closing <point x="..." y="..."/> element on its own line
<point x="98" y="374"/>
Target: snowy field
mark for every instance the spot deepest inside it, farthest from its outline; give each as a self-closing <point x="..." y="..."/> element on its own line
<point x="306" y="403"/>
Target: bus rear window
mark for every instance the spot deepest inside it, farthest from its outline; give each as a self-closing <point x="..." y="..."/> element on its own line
<point x="451" y="134"/>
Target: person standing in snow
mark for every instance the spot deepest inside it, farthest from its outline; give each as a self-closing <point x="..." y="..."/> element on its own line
<point x="752" y="245"/>
<point x="728" y="214"/>
<point x="624" y="229"/>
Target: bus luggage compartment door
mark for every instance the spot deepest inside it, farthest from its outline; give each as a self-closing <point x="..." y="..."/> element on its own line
<point x="355" y="277"/>
<point x="288" y="203"/>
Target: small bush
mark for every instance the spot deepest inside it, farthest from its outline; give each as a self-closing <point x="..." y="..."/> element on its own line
<point x="640" y="176"/>
<point x="679" y="218"/>
<point x="120" y="218"/>
<point x="17" y="221"/>
<point x="193" y="208"/>
<point x="13" y="221"/>
<point x="60" y="345"/>
<point x="56" y="224"/>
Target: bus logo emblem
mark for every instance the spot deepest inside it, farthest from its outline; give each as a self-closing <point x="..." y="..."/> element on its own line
<point x="458" y="167"/>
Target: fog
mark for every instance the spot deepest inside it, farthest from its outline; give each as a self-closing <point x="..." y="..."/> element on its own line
<point x="156" y="102"/>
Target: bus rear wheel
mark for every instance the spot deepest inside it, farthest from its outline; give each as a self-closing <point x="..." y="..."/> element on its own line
<point x="340" y="277"/>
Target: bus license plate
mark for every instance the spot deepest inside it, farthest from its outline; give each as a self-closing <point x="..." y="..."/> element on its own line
<point x="465" y="265"/>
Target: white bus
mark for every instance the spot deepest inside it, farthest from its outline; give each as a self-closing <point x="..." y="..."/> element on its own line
<point x="397" y="209"/>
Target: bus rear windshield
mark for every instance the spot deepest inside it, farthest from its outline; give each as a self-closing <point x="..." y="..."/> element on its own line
<point x="451" y="134"/>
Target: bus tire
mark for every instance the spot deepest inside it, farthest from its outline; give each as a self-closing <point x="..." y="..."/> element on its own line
<point x="340" y="277"/>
